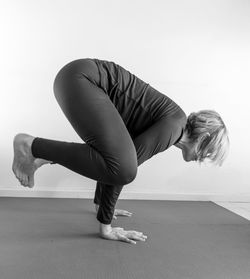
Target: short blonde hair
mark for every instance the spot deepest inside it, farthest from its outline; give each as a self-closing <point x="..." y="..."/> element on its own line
<point x="208" y="128"/>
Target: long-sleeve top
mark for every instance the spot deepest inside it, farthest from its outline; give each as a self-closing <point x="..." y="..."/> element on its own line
<point x="154" y="121"/>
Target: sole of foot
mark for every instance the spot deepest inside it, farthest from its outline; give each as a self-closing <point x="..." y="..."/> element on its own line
<point x="23" y="164"/>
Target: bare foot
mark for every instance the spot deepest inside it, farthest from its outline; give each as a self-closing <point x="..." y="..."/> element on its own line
<point x="23" y="164"/>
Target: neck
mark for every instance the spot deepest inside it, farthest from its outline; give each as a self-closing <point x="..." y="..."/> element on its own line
<point x="183" y="141"/>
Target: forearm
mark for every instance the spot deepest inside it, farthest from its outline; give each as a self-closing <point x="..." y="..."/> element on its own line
<point x="105" y="212"/>
<point x="103" y="228"/>
<point x="109" y="196"/>
<point x="98" y="192"/>
<point x="96" y="207"/>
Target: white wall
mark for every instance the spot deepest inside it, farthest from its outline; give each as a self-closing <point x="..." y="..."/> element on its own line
<point x="196" y="52"/>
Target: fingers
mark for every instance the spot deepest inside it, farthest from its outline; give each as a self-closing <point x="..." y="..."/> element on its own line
<point x="122" y="212"/>
<point x="136" y="235"/>
<point x="125" y="239"/>
<point x="126" y="213"/>
<point x="120" y="234"/>
<point x="132" y="235"/>
<point x="131" y="238"/>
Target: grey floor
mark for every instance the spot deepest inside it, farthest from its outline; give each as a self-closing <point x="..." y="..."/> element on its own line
<point x="57" y="238"/>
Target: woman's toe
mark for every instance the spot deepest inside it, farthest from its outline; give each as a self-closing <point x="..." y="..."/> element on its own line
<point x="25" y="180"/>
<point x="22" y="179"/>
<point x="31" y="181"/>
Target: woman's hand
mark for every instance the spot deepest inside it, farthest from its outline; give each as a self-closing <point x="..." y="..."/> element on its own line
<point x="118" y="212"/>
<point x="120" y="234"/>
<point x="121" y="212"/>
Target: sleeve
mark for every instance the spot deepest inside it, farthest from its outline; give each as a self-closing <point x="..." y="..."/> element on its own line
<point x="159" y="137"/>
<point x="108" y="198"/>
<point x="98" y="192"/>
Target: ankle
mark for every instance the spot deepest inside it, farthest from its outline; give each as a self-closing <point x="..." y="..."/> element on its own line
<point x="40" y="162"/>
<point x="29" y="140"/>
<point x="44" y="162"/>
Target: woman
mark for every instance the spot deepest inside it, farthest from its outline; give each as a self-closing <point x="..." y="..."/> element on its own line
<point x="123" y="122"/>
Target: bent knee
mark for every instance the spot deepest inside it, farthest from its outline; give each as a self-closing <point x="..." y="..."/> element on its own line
<point x="124" y="174"/>
<point x="128" y="175"/>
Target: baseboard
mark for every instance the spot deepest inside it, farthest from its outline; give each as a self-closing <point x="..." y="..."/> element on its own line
<point x="40" y="193"/>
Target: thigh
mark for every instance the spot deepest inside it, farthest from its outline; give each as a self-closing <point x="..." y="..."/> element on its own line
<point x="91" y="112"/>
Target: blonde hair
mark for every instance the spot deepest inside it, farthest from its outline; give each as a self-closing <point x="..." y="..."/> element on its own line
<point x="208" y="128"/>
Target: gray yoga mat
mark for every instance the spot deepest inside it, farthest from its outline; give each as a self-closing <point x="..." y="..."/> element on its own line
<point x="58" y="238"/>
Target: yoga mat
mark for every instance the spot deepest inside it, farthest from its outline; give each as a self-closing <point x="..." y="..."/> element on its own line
<point x="58" y="238"/>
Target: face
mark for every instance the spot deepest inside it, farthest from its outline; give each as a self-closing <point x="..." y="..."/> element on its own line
<point x="189" y="151"/>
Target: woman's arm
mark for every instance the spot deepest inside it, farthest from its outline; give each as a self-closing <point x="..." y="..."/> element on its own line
<point x="107" y="201"/>
<point x="105" y="213"/>
<point x="157" y="138"/>
<point x="117" y="212"/>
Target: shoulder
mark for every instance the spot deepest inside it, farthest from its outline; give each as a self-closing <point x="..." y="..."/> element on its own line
<point x="173" y="126"/>
<point x="178" y="119"/>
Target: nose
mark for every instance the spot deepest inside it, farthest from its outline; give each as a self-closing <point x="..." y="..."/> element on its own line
<point x="195" y="158"/>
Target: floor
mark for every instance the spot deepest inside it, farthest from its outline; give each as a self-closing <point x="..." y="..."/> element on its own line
<point x="240" y="208"/>
<point x="58" y="238"/>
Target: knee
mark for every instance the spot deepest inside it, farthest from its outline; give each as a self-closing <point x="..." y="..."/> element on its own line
<point x="128" y="175"/>
<point x="129" y="166"/>
<point x="123" y="172"/>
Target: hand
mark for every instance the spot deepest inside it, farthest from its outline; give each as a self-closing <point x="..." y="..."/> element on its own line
<point x="118" y="212"/>
<point x="121" y="235"/>
<point x="121" y="212"/>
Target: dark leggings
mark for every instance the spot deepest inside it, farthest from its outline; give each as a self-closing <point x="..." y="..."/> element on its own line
<point x="108" y="154"/>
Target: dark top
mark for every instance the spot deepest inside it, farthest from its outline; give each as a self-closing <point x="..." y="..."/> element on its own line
<point x="141" y="106"/>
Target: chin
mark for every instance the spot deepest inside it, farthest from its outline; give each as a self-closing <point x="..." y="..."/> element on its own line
<point x="187" y="159"/>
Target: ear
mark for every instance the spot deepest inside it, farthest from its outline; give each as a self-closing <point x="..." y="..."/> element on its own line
<point x="205" y="135"/>
<point x="202" y="137"/>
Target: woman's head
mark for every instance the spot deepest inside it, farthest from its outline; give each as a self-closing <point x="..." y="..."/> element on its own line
<point x="207" y="136"/>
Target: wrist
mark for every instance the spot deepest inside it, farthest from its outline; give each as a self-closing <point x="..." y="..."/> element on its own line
<point x="105" y="229"/>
